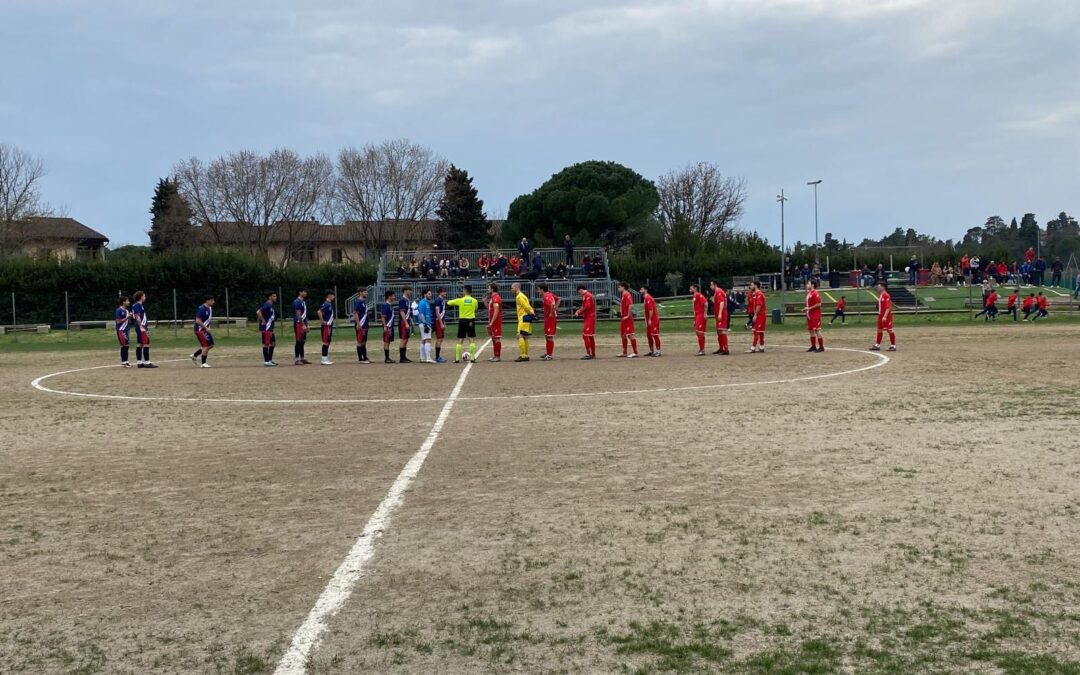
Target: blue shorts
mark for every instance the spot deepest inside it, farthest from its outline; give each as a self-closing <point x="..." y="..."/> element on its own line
<point x="205" y="339"/>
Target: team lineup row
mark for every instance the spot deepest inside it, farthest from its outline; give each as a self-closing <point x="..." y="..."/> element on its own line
<point x="401" y="317"/>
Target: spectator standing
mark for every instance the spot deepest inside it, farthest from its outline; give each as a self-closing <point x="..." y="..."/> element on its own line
<point x="1056" y="268"/>
<point x="524" y="249"/>
<point x="1025" y="273"/>
<point x="913" y="271"/>
<point x="965" y="270"/>
<point x="538" y="263"/>
<point x="568" y="250"/>
<point x="976" y="270"/>
<point x="1029" y="255"/>
<point x="1040" y="271"/>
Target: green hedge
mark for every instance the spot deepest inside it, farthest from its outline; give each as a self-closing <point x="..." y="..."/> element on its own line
<point x="93" y="287"/>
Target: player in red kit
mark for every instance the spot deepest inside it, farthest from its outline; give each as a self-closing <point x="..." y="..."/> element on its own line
<point x="721" y="314"/>
<point x="884" y="318"/>
<point x="701" y="305"/>
<point x="757" y="317"/>
<point x="652" y="321"/>
<point x="551" y="321"/>
<point x="813" y="316"/>
<point x="588" y="322"/>
<point x="494" y="325"/>
<point x="626" y="322"/>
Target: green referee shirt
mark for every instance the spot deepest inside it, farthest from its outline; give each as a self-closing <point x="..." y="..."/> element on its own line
<point x="466" y="305"/>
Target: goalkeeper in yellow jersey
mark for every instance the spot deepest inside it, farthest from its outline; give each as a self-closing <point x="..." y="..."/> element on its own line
<point x="525" y="317"/>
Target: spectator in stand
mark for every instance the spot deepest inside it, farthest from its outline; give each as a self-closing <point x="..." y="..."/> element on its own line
<point x="524" y="249"/>
<point x="432" y="271"/>
<point x="455" y="268"/>
<point x="414" y="268"/>
<point x="1029" y="255"/>
<point x="444" y="268"/>
<point x="879" y="274"/>
<point x="1025" y="273"/>
<point x="950" y="273"/>
<point x="515" y="266"/>
<point x="866" y="277"/>
<point x="1040" y="271"/>
<point x="1042" y="305"/>
<point x="804" y="274"/>
<point x="501" y="264"/>
<point x="990" y="271"/>
<point x="815" y="271"/>
<point x="913" y="271"/>
<point x="1010" y="308"/>
<point x="482" y="265"/>
<point x="1056" y="268"/>
<point x="537" y="263"/>
<point x="402" y="272"/>
<point x="549" y="271"/>
<point x="936" y="274"/>
<point x="463" y="267"/>
<point x="568" y="250"/>
<point x="1014" y="273"/>
<point x="561" y="270"/>
<point x="1002" y="272"/>
<point x="1028" y="306"/>
<point x="965" y="270"/>
<point x="976" y="270"/>
<point x="586" y="266"/>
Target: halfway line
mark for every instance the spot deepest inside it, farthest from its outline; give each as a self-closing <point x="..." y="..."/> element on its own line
<point x="337" y="592"/>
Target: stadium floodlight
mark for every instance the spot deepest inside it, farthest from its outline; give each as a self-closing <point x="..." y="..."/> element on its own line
<point x="815" y="183"/>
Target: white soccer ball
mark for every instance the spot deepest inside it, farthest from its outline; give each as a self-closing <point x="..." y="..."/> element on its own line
<point x="906" y="269"/>
<point x="466" y="357"/>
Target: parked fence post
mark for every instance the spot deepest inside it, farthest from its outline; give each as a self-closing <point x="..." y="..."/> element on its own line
<point x="280" y="296"/>
<point x="175" y="316"/>
<point x="971" y="308"/>
<point x="13" y="312"/>
<point x="67" y="318"/>
<point x="337" y="302"/>
<point x="228" y="321"/>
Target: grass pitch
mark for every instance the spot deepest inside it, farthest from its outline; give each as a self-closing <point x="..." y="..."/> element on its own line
<point x="917" y="517"/>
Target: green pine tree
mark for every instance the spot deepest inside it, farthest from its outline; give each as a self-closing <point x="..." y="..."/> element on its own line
<point x="462" y="212"/>
<point x="171" y="227"/>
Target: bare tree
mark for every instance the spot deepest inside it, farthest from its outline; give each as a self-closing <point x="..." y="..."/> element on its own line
<point x="700" y="202"/>
<point x="390" y="189"/>
<point x="257" y="198"/>
<point x="20" y="195"/>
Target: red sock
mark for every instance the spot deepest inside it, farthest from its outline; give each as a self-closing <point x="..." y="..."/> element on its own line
<point x="878" y="340"/>
<point x="624" y="345"/>
<point x="649" y="338"/>
<point x="720" y="340"/>
<point x="701" y="342"/>
<point x="592" y="346"/>
<point x="723" y="341"/>
<point x="497" y="346"/>
<point x="657" y="341"/>
<point x="550" y="347"/>
<point x="633" y="345"/>
<point x="585" y="341"/>
<point x="754" y="343"/>
<point x="813" y="340"/>
<point x="821" y="343"/>
<point x="761" y="340"/>
<point x="892" y="339"/>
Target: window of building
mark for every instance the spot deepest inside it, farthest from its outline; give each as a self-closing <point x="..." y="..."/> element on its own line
<point x="337" y="256"/>
<point x="303" y="254"/>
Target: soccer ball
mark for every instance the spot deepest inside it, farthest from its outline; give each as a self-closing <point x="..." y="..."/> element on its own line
<point x="466" y="357"/>
<point x="906" y="269"/>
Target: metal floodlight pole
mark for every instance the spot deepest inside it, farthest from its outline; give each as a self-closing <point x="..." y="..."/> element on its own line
<point x="781" y="198"/>
<point x="815" y="183"/>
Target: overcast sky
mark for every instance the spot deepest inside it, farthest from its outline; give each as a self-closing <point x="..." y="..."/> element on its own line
<point x="926" y="113"/>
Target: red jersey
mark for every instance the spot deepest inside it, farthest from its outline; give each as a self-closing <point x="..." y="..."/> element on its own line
<point x="495" y="310"/>
<point x="841" y="304"/>
<point x="1028" y="302"/>
<point x="965" y="264"/>
<point x="626" y="307"/>
<point x="759" y="310"/>
<point x="813" y="301"/>
<point x="1043" y="302"/>
<point x="1002" y="269"/>
<point x="588" y="314"/>
<point x="652" y="317"/>
<point x="551" y="306"/>
<point x="991" y="299"/>
<point x="1012" y="300"/>
<point x="884" y="305"/>
<point x="700" y="306"/>
<point x="720" y="307"/>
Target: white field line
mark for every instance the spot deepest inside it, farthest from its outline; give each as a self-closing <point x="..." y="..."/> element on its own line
<point x="882" y="359"/>
<point x="337" y="592"/>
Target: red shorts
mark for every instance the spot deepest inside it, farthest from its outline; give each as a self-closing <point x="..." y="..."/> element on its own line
<point x="142" y="338"/>
<point x="626" y="326"/>
<point x="495" y="329"/>
<point x="361" y="335"/>
<point x="550" y="327"/>
<point x="588" y="327"/>
<point x="267" y="337"/>
<point x="700" y="323"/>
<point x="122" y="338"/>
<point x="327" y="333"/>
<point x="884" y="324"/>
<point x="300" y="330"/>
<point x="813" y="322"/>
<point x="652" y="329"/>
<point x="721" y="322"/>
<point x="440" y="330"/>
<point x="759" y="324"/>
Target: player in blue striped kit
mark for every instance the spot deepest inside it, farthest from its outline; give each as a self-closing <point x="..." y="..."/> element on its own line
<point x="360" y="319"/>
<point x="122" y="319"/>
<point x="267" y="316"/>
<point x="326" y="315"/>
<point x="142" y="331"/>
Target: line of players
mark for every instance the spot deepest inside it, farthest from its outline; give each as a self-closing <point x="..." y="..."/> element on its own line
<point x="400" y="316"/>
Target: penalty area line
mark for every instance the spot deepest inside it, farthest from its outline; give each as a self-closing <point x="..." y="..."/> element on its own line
<point x="340" y="587"/>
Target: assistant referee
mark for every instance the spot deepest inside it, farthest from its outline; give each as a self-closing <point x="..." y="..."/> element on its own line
<point x="466" y="328"/>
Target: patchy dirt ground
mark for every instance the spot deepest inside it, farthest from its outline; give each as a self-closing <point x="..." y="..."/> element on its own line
<point x="922" y="516"/>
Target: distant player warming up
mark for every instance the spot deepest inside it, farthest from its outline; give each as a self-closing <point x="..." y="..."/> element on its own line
<point x="142" y="331"/>
<point x="550" y="303"/>
<point x="360" y="321"/>
<point x="326" y="315"/>
<point x="587" y="312"/>
<point x="884" y="318"/>
<point x="526" y="315"/>
<point x="122" y="319"/>
<point x="466" y="328"/>
<point x="813" y="316"/>
<point x="266" y="317"/>
<point x="652" y="321"/>
<point x="204" y="315"/>
<point x="720" y="314"/>
<point x="300" y="327"/>
<point x="626" y="321"/>
<point x="701" y="306"/>
<point x="494" y="324"/>
<point x="757" y="317"/>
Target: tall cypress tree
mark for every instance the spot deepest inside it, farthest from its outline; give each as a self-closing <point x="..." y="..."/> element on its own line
<point x="462" y="212"/>
<point x="171" y="228"/>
